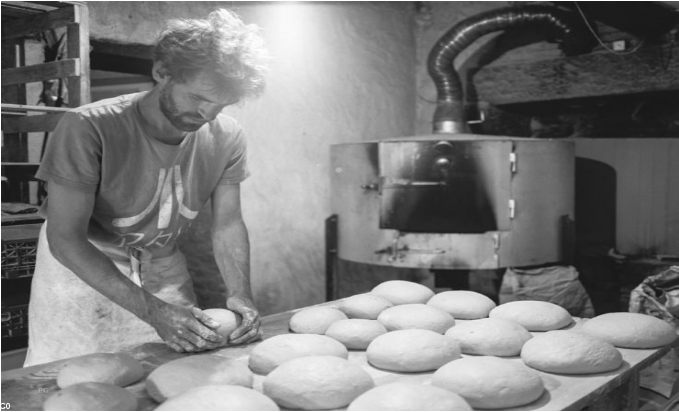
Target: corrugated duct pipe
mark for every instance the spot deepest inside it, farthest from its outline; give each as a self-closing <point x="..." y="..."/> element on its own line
<point x="564" y="26"/>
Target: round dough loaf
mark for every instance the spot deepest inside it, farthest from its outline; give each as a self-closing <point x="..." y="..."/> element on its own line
<point x="272" y="352"/>
<point x="180" y="375"/>
<point x="91" y="396"/>
<point x="494" y="337"/>
<point x="488" y="382"/>
<point x="416" y="316"/>
<point x="228" y="320"/>
<point x="118" y="369"/>
<point x="315" y="319"/>
<point x="412" y="350"/>
<point x="463" y="304"/>
<point x="219" y="398"/>
<point x="316" y="383"/>
<point x="568" y="352"/>
<point x="630" y="330"/>
<point x="356" y="333"/>
<point x="534" y="315"/>
<point x="401" y="292"/>
<point x="364" y="306"/>
<point x="402" y="396"/>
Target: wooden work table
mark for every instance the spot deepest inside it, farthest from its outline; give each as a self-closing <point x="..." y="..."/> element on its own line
<point x="27" y="388"/>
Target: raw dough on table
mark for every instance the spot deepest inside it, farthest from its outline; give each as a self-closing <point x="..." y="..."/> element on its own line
<point x="316" y="383"/>
<point x="118" y="369"/>
<point x="534" y="315"/>
<point x="630" y="330"/>
<point x="180" y="375"/>
<point x="494" y="337"/>
<point x="272" y="352"/>
<point x="463" y="304"/>
<point x="91" y="396"/>
<point x="412" y="350"/>
<point x="364" y="306"/>
<point x="315" y="319"/>
<point x="570" y="352"/>
<point x="402" y="396"/>
<point x="416" y="316"/>
<point x="228" y="320"/>
<point x="356" y="333"/>
<point x="488" y="382"/>
<point x="401" y="292"/>
<point x="219" y="398"/>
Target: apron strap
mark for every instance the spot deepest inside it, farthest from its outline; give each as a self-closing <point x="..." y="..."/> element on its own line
<point x="140" y="260"/>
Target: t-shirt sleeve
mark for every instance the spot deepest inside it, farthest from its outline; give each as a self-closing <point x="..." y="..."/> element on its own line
<point x="73" y="154"/>
<point x="236" y="169"/>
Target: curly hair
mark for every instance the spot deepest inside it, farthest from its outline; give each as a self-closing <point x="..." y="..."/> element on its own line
<point x="222" y="43"/>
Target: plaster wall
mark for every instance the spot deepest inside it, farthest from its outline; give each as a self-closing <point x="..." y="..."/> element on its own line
<point x="341" y="72"/>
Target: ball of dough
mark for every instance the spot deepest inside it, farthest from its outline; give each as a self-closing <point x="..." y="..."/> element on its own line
<point x="400" y="292"/>
<point x="568" y="352"/>
<point x="118" y="369"/>
<point x="228" y="320"/>
<point x="272" y="352"/>
<point x="463" y="304"/>
<point x="315" y="319"/>
<point x="316" y="383"/>
<point x="630" y="330"/>
<point x="488" y="382"/>
<point x="180" y="375"/>
<point x="355" y="333"/>
<point x="416" y="316"/>
<point x="364" y="306"/>
<point x="494" y="337"/>
<point x="412" y="350"/>
<point x="402" y="396"/>
<point x="91" y="396"/>
<point x="534" y="315"/>
<point x="219" y="398"/>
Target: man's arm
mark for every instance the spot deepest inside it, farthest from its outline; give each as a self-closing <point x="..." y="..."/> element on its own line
<point x="68" y="215"/>
<point x="232" y="252"/>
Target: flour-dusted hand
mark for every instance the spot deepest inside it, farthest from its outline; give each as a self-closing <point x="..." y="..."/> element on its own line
<point x="248" y="330"/>
<point x="184" y="329"/>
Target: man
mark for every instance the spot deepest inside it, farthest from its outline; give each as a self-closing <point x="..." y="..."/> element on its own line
<point x="124" y="177"/>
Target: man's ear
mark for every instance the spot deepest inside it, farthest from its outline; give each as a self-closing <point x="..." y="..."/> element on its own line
<point x="160" y="73"/>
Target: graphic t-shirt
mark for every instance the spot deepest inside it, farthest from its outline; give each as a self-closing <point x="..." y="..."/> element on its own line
<point x="145" y="191"/>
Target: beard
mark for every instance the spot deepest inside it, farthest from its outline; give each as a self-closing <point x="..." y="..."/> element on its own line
<point x="184" y="121"/>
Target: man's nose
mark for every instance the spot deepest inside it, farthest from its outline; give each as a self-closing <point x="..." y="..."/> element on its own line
<point x="209" y="111"/>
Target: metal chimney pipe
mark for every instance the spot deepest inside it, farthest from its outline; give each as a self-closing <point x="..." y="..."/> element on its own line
<point x="564" y="26"/>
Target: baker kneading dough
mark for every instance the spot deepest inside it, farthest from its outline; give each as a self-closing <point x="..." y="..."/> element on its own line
<point x="315" y="319"/>
<point x="272" y="352"/>
<point x="118" y="369"/>
<point x="228" y="320"/>
<point x="91" y="396"/>
<point x="570" y="352"/>
<point x="219" y="398"/>
<point x="412" y="350"/>
<point x="416" y="316"/>
<point x="401" y="292"/>
<point x="494" y="337"/>
<point x="364" y="306"/>
<point x="316" y="383"/>
<point x="488" y="382"/>
<point x="463" y="304"/>
<point x="534" y="315"/>
<point x="630" y="330"/>
<point x="180" y="375"/>
<point x="355" y="333"/>
<point x="402" y="396"/>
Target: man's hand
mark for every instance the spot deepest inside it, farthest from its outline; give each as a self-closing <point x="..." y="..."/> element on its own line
<point x="249" y="327"/>
<point x="184" y="329"/>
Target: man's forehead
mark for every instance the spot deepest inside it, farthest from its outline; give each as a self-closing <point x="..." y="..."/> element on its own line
<point x="210" y="86"/>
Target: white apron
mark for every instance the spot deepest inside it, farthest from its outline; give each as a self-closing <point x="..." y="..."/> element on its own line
<point x="67" y="317"/>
